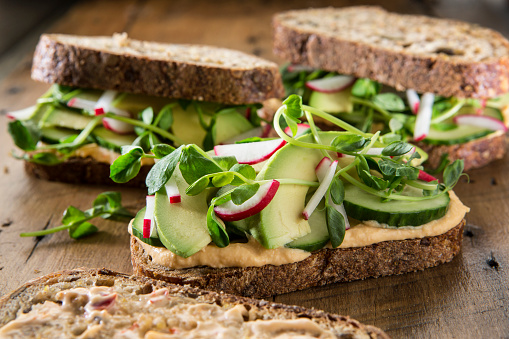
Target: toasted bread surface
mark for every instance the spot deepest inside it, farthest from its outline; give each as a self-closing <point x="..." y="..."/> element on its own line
<point x="322" y="267"/>
<point x="446" y="57"/>
<point x="131" y="288"/>
<point x="193" y="72"/>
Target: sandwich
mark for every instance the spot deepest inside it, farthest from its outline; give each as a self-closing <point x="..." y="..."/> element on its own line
<point x="109" y="92"/>
<point x="308" y="208"/>
<point x="99" y="303"/>
<point x="441" y="84"/>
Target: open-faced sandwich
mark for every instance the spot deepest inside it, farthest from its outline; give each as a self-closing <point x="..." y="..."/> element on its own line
<point x="309" y="208"/>
<point x="91" y="303"/>
<point x="109" y="92"/>
<point x="440" y="83"/>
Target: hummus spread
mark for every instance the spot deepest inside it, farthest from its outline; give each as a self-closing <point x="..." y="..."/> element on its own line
<point x="104" y="155"/>
<point x="253" y="253"/>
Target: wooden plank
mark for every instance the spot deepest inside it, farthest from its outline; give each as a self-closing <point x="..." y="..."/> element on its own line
<point x="467" y="297"/>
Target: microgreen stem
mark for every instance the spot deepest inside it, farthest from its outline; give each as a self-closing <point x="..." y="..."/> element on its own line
<point x="314" y="131"/>
<point x="368" y="103"/>
<point x="289" y="181"/>
<point x="449" y="113"/>
<point x="421" y="185"/>
<point x="336" y="121"/>
<point x="371" y="143"/>
<point x="58" y="228"/>
<point x="152" y="128"/>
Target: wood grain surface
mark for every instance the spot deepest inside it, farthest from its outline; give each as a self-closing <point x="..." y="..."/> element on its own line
<point x="468" y="297"/>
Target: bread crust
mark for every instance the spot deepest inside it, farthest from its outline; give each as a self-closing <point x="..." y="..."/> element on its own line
<point x="325" y="266"/>
<point x="25" y="296"/>
<point x="72" y="65"/>
<point x="78" y="170"/>
<point x="437" y="73"/>
<point x="475" y="153"/>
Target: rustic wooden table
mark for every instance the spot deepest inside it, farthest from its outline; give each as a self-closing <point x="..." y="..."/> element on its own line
<point x="468" y="297"/>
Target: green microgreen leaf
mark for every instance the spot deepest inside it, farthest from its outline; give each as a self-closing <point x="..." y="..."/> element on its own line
<point x="337" y="191"/>
<point x="216" y="229"/>
<point x="390" y="138"/>
<point x="293" y="107"/>
<point x="222" y="179"/>
<point x="365" y="88"/>
<point x="45" y="158"/>
<point x="244" y="192"/>
<point x="147" y="115"/>
<point x="194" y="163"/>
<point x="109" y="206"/>
<point x="162" y="171"/>
<point x="165" y="117"/>
<point x="127" y="166"/>
<point x="391" y="168"/>
<point x="246" y="170"/>
<point x="78" y="228"/>
<point x="390" y="102"/>
<point x="452" y="173"/>
<point x="162" y="150"/>
<point x="397" y="148"/>
<point x="335" y="225"/>
<point x="349" y="142"/>
<point x="24" y="134"/>
<point x="395" y="125"/>
<point x="225" y="162"/>
<point x="198" y="186"/>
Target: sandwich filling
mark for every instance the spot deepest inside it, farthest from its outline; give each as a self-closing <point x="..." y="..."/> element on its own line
<point x="71" y="122"/>
<point x="314" y="190"/>
<point x="425" y="118"/>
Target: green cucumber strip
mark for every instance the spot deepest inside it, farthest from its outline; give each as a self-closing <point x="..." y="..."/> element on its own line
<point x="137" y="229"/>
<point x="53" y="135"/>
<point x="462" y="133"/>
<point x="319" y="236"/>
<point x="361" y="205"/>
<point x="111" y="140"/>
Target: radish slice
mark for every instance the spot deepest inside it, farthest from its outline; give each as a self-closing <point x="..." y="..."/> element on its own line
<point x="266" y="130"/>
<point x="255" y="132"/>
<point x="321" y="172"/>
<point x="231" y="212"/>
<point x="423" y="120"/>
<point x="103" y="105"/>
<point x="22" y="114"/>
<point x="172" y="191"/>
<point x="88" y="105"/>
<point x="299" y="68"/>
<point x="332" y="84"/>
<point x="426" y="177"/>
<point x="480" y="121"/>
<point x="413" y="100"/>
<point x="480" y="110"/>
<point x="301" y="129"/>
<point x="342" y="155"/>
<point x="149" y="223"/>
<point x="321" y="190"/>
<point x="250" y="153"/>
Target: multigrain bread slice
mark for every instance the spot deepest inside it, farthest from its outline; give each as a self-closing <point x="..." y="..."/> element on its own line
<point x="191" y="72"/>
<point x="446" y="57"/>
<point x="141" y="307"/>
<point x="323" y="267"/>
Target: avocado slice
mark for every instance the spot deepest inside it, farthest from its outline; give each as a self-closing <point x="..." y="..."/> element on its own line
<point x="281" y="221"/>
<point x="182" y="227"/>
<point x="338" y="102"/>
<point x="229" y="124"/>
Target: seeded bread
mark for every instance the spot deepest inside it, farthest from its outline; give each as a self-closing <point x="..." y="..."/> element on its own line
<point x="323" y="267"/>
<point x="192" y="72"/>
<point x="446" y="57"/>
<point x="124" y="314"/>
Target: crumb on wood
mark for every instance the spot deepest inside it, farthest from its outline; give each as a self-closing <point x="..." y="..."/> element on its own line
<point x="6" y="170"/>
<point x="493" y="182"/>
<point x="36" y="271"/>
<point x="492" y="262"/>
<point x="468" y="233"/>
<point x="1" y="268"/>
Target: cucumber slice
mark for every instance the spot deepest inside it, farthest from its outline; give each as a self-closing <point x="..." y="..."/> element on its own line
<point x="361" y="205"/>
<point x="230" y="123"/>
<point x="53" y="135"/>
<point x="319" y="236"/>
<point x="462" y="133"/>
<point x="61" y="117"/>
<point x="137" y="229"/>
<point x="111" y="140"/>
<point x="338" y="102"/>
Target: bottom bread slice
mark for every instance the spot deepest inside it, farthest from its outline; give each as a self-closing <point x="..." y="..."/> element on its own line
<point x="475" y="153"/>
<point x="78" y="170"/>
<point x="323" y="267"/>
<point x="99" y="303"/>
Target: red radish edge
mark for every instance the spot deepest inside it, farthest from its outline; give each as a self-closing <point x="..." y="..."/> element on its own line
<point x="146" y="228"/>
<point x="175" y="199"/>
<point x="172" y="191"/>
<point x="99" y="111"/>
<point x="301" y="129"/>
<point x="245" y="152"/>
<point x="226" y="214"/>
<point x="480" y="121"/>
<point x="331" y="85"/>
<point x="413" y="100"/>
<point x="71" y="102"/>
<point x="426" y="177"/>
<point x="423" y="120"/>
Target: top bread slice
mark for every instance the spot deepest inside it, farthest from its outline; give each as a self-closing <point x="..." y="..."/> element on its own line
<point x="192" y="72"/>
<point x="445" y="57"/>
<point x="130" y="317"/>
